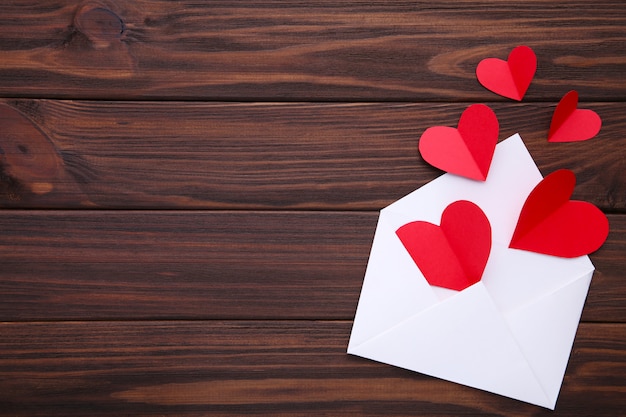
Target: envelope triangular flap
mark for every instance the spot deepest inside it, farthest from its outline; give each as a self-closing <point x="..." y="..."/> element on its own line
<point x="545" y="330"/>
<point x="513" y="174"/>
<point x="473" y="348"/>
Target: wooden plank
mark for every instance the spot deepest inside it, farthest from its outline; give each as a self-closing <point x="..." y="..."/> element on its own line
<point x="292" y="50"/>
<point x="70" y="154"/>
<point x="86" y="264"/>
<point x="267" y="368"/>
<point x="72" y="265"/>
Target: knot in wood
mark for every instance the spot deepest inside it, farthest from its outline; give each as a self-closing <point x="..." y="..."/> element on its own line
<point x="28" y="160"/>
<point x="99" y="24"/>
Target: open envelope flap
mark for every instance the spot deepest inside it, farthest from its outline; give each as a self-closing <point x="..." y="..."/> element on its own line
<point x="512" y="176"/>
<point x="463" y="339"/>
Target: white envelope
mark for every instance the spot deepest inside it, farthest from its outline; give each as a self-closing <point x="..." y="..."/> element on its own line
<point x="512" y="332"/>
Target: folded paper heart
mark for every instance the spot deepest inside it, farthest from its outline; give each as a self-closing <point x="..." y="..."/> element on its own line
<point x="466" y="150"/>
<point x="454" y="254"/>
<point x="510" y="78"/>
<point x="551" y="224"/>
<point x="570" y="124"/>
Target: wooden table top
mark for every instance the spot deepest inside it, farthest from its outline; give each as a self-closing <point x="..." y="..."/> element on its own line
<point x="189" y="192"/>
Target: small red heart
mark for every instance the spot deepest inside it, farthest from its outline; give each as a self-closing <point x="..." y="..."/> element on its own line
<point x="510" y="78"/>
<point x="467" y="150"/>
<point x="570" y="124"/>
<point x="551" y="224"/>
<point x="453" y="255"/>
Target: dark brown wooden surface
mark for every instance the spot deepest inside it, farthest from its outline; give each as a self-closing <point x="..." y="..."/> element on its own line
<point x="189" y="191"/>
<point x="193" y="368"/>
<point x="366" y="50"/>
<point x="280" y="156"/>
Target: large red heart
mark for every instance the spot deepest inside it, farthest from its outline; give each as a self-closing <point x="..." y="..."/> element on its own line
<point x="510" y="78"/>
<point x="454" y="254"/>
<point x="467" y="150"/>
<point x="551" y="224"/>
<point x="570" y="124"/>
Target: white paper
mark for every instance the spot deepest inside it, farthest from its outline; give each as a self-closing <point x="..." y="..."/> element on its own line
<point x="512" y="332"/>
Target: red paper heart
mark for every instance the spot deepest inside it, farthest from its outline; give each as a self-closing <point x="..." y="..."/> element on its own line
<point x="453" y="255"/>
<point x="551" y="224"/>
<point x="570" y="124"/>
<point x="510" y="78"/>
<point x="467" y="150"/>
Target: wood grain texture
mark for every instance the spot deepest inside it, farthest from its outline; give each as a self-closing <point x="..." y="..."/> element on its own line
<point x="166" y="155"/>
<point x="314" y="50"/>
<point x="268" y="368"/>
<point x="189" y="192"/>
<point x="75" y="265"/>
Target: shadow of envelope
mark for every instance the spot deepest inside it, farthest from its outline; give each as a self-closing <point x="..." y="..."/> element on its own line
<point x="512" y="332"/>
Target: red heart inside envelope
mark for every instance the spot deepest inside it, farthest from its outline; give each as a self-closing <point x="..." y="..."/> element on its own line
<point x="467" y="150"/>
<point x="454" y="254"/>
<point x="551" y="224"/>
<point x="570" y="124"/>
<point x="510" y="78"/>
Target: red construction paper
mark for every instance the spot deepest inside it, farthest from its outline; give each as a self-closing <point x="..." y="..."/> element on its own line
<point x="454" y="254"/>
<point x="551" y="224"/>
<point x="570" y="124"/>
<point x="467" y="150"/>
<point x="510" y="78"/>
